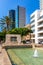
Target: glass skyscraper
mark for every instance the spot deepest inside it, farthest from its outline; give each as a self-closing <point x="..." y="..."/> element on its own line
<point x="12" y="17"/>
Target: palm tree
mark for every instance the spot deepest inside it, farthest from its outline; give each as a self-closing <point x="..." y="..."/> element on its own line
<point x="2" y="24"/>
<point x="6" y="20"/>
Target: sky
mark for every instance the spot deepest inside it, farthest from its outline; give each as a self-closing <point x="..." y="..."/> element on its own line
<point x="30" y="5"/>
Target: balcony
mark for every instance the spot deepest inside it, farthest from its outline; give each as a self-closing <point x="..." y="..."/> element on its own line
<point x="41" y="16"/>
<point x="40" y="25"/>
<point x="32" y="19"/>
<point x="32" y="23"/>
<point x="41" y="37"/>
<point x="32" y="28"/>
<point x="32" y="16"/>
<point x="40" y="31"/>
<point x="40" y="20"/>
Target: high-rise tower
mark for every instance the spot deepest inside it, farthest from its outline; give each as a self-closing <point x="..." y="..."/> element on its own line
<point x="21" y="16"/>
<point x="12" y="17"/>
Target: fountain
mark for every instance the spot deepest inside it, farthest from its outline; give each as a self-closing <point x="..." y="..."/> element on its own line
<point x="35" y="53"/>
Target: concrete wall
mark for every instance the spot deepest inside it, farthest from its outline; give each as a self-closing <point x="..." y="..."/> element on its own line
<point x="8" y="38"/>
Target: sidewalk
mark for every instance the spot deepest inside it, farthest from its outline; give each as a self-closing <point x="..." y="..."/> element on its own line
<point x="1" y="60"/>
<point x="4" y="59"/>
<point x="1" y="56"/>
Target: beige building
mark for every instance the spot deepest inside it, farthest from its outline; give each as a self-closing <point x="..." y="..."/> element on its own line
<point x="27" y="37"/>
<point x="28" y="26"/>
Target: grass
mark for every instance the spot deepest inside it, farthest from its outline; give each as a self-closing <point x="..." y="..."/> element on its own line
<point x="25" y="56"/>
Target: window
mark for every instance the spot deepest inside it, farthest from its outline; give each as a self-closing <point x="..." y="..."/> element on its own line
<point x="33" y="31"/>
<point x="41" y="17"/>
<point x="32" y="21"/>
<point x="13" y="38"/>
<point x="40" y="23"/>
<point x="32" y="16"/>
<point x="32" y="26"/>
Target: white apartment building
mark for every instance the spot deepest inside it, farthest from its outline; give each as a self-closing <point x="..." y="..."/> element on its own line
<point x="37" y="26"/>
<point x="41" y="4"/>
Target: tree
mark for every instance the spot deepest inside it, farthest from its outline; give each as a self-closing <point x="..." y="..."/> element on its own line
<point x="2" y="35"/>
<point x="7" y="21"/>
<point x="21" y="31"/>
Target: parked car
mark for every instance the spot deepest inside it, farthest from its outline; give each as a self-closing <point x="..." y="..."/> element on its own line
<point x="28" y="41"/>
<point x="40" y="42"/>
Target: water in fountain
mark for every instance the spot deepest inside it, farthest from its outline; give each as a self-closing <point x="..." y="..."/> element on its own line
<point x="35" y="53"/>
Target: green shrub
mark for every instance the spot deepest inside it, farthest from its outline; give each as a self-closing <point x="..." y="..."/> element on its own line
<point x="2" y="36"/>
<point x="21" y="31"/>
